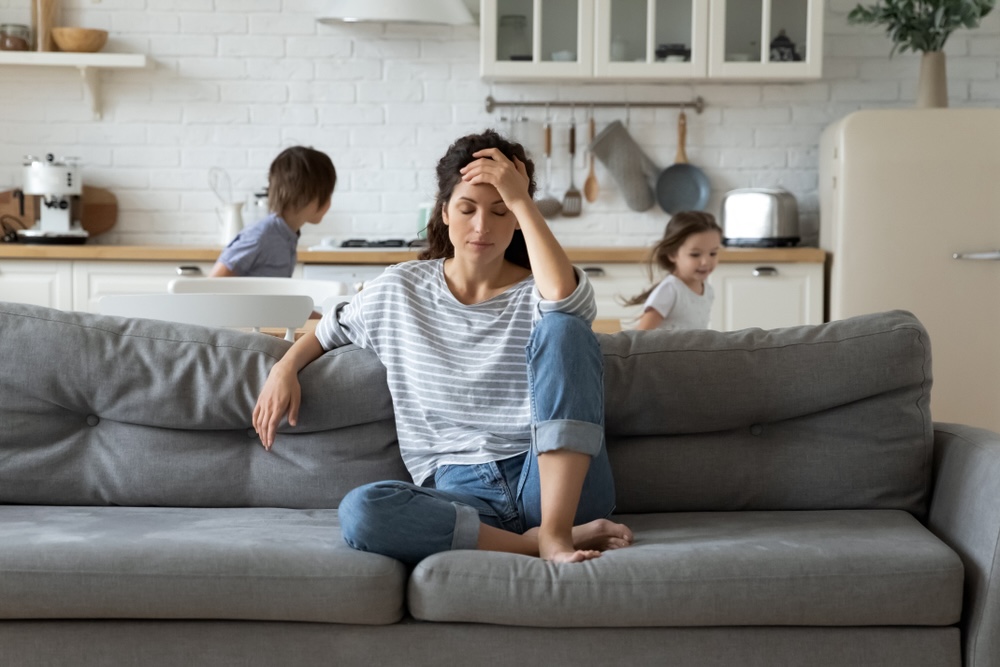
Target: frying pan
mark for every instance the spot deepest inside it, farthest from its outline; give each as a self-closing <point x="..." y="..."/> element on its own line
<point x="682" y="186"/>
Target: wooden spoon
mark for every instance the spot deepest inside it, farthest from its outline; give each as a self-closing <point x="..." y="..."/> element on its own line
<point x="590" y="186"/>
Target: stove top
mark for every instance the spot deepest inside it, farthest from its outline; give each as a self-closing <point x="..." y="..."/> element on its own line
<point x="369" y="244"/>
<point x="385" y="243"/>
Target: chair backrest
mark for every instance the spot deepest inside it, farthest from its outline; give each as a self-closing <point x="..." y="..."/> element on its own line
<point x="214" y="310"/>
<point x="320" y="291"/>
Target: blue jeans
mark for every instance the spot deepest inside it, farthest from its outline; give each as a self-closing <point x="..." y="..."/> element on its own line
<point x="566" y="381"/>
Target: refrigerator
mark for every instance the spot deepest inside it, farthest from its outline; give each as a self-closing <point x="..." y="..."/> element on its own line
<point x="910" y="217"/>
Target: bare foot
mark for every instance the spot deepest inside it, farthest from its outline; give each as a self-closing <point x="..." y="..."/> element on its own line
<point x="589" y="539"/>
<point x="601" y="535"/>
<point x="561" y="550"/>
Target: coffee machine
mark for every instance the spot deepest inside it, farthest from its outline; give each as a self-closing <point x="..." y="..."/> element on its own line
<point x="58" y="187"/>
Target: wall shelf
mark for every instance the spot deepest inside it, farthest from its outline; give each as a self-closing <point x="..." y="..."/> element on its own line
<point x="88" y="64"/>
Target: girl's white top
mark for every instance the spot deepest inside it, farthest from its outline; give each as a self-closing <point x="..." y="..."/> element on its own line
<point x="457" y="373"/>
<point x="680" y="307"/>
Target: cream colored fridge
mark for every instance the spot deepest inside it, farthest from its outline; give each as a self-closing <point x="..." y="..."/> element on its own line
<point x="910" y="214"/>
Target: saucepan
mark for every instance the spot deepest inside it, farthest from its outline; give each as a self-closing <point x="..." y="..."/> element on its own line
<point x="682" y="186"/>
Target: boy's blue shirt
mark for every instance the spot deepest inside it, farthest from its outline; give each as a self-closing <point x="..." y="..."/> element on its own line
<point x="266" y="248"/>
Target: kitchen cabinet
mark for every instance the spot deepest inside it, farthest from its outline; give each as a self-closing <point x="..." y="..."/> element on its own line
<point x="613" y="283"/>
<point x="37" y="282"/>
<point x="92" y="280"/>
<point x="754" y="287"/>
<point x="88" y="64"/>
<point x="768" y="296"/>
<point x="652" y="40"/>
<point x="766" y="39"/>
<point x="529" y="39"/>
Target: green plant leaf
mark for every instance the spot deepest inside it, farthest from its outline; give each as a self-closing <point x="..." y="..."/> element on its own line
<point x="921" y="25"/>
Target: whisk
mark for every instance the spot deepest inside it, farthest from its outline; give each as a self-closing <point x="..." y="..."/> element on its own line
<point x="219" y="181"/>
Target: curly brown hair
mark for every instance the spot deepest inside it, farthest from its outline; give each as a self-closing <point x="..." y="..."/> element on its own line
<point x="457" y="156"/>
<point x="682" y="225"/>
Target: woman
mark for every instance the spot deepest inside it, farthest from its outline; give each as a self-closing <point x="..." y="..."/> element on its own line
<point x="506" y="449"/>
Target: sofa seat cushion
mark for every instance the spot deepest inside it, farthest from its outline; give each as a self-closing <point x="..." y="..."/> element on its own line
<point x="817" y="568"/>
<point x="183" y="563"/>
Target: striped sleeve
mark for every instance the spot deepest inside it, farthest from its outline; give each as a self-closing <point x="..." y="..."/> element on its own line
<point x="580" y="303"/>
<point x="343" y="325"/>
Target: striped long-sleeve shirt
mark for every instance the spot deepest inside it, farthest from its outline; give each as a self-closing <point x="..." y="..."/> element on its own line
<point x="457" y="373"/>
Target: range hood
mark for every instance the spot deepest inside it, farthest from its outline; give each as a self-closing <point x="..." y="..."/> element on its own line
<point x="448" y="12"/>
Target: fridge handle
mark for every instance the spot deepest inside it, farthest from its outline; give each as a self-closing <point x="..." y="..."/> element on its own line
<point x="994" y="255"/>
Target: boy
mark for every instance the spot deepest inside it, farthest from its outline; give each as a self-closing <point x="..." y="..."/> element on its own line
<point x="300" y="185"/>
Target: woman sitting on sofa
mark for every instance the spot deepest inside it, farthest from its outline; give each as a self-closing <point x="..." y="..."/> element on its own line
<point x="506" y="449"/>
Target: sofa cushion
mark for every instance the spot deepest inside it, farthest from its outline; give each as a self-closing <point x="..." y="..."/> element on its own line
<point x="832" y="416"/>
<point x="251" y="564"/>
<point x="103" y="410"/>
<point x="837" y="568"/>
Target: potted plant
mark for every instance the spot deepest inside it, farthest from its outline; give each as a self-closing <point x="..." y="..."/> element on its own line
<point x="924" y="26"/>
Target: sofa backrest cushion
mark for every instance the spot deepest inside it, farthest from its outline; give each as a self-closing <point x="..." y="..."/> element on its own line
<point x="98" y="410"/>
<point x="832" y="416"/>
<point x="102" y="410"/>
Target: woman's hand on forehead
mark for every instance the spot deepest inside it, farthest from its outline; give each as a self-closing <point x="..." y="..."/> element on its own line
<point x="494" y="168"/>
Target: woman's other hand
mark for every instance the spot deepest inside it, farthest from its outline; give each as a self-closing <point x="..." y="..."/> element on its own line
<point x="281" y="395"/>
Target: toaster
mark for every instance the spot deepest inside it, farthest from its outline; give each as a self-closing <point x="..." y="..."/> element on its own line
<point x="760" y="217"/>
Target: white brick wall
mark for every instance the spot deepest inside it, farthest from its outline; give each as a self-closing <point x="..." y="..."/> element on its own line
<point x="232" y="82"/>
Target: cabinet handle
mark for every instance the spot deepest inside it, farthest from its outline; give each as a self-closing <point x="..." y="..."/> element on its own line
<point x="764" y="272"/>
<point x="190" y="271"/>
<point x="594" y="272"/>
<point x="993" y="255"/>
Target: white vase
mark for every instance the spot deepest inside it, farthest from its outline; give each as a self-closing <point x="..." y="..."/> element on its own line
<point x="932" y="88"/>
<point x="230" y="221"/>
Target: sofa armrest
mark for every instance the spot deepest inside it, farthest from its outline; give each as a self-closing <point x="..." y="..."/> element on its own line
<point x="965" y="513"/>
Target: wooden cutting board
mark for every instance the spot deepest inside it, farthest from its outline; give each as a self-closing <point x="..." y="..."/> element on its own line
<point x="99" y="214"/>
<point x="100" y="210"/>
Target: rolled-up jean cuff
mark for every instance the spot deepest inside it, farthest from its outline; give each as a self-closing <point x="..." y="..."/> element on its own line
<point x="567" y="434"/>
<point x="466" y="535"/>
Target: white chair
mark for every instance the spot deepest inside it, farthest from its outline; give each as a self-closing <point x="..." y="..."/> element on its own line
<point x="214" y="310"/>
<point x="322" y="292"/>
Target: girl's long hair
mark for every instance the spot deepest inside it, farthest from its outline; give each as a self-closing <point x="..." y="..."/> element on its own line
<point x="457" y="156"/>
<point x="681" y="226"/>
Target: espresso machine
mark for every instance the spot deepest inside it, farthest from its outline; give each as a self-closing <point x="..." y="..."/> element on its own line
<point x="57" y="185"/>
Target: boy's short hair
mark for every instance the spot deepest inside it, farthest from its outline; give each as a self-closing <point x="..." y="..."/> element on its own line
<point x="299" y="176"/>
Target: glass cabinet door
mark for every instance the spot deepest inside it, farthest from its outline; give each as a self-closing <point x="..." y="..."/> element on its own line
<point x="651" y="39"/>
<point x="527" y="39"/>
<point x="772" y="39"/>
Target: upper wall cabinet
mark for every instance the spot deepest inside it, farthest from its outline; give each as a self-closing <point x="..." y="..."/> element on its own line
<point x="536" y="39"/>
<point x="766" y="39"/>
<point x="651" y="40"/>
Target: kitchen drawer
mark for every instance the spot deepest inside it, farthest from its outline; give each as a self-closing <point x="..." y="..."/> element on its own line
<point x="768" y="296"/>
<point x="613" y="283"/>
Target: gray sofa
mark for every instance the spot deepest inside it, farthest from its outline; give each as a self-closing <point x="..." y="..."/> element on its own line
<point x="792" y="501"/>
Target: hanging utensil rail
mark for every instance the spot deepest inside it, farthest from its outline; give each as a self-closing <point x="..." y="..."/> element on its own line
<point x="698" y="104"/>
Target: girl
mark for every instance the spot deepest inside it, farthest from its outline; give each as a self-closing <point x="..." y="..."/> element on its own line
<point x="506" y="450"/>
<point x="689" y="252"/>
